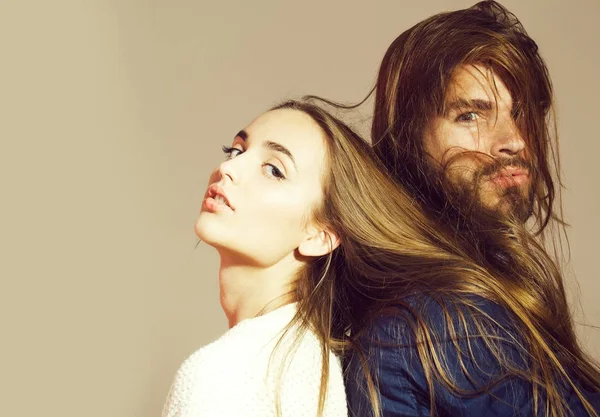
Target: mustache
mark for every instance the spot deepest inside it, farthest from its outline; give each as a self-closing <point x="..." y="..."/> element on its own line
<point x="499" y="164"/>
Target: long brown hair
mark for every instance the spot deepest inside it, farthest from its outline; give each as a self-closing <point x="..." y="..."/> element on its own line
<point x="496" y="259"/>
<point x="413" y="81"/>
<point x="390" y="251"/>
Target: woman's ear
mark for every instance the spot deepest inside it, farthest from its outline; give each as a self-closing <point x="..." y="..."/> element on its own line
<point x="319" y="242"/>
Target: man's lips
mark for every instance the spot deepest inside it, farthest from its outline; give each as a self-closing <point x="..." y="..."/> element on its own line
<point x="510" y="176"/>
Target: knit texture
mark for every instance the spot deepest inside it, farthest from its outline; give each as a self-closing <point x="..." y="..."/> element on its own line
<point x="240" y="374"/>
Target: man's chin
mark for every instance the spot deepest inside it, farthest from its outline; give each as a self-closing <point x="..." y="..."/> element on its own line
<point x="515" y="204"/>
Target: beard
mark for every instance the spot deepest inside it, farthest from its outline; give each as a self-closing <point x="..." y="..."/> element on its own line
<point x="472" y="193"/>
<point x="519" y="202"/>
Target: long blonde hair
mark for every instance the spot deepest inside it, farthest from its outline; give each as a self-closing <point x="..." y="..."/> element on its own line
<point x="391" y="250"/>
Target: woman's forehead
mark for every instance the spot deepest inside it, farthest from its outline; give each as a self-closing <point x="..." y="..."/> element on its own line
<point x="293" y="129"/>
<point x="289" y="124"/>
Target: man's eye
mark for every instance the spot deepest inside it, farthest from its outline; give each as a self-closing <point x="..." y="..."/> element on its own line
<point x="467" y="117"/>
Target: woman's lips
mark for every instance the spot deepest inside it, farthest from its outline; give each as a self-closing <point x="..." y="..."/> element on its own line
<point x="216" y="199"/>
<point x="215" y="205"/>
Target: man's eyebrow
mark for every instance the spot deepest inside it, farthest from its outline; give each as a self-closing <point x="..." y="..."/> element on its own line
<point x="475" y="104"/>
<point x="280" y="148"/>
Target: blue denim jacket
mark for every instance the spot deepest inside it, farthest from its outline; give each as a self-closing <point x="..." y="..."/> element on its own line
<point x="392" y="351"/>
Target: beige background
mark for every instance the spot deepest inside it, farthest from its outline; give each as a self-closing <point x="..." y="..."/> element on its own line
<point x="111" y="115"/>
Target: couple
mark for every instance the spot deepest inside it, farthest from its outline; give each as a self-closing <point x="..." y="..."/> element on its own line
<point x="403" y="279"/>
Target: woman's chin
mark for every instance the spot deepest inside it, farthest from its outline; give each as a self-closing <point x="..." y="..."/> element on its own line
<point x="204" y="232"/>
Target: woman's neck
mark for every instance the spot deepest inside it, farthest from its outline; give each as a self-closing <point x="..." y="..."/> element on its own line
<point x="249" y="291"/>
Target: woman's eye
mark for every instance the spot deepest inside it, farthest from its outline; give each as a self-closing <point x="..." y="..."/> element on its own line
<point x="231" y="152"/>
<point x="467" y="117"/>
<point x="274" y="172"/>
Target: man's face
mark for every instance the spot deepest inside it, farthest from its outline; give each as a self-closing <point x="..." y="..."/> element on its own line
<point x="479" y="145"/>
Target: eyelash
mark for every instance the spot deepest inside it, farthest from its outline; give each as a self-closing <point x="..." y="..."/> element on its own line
<point x="276" y="172"/>
<point x="228" y="150"/>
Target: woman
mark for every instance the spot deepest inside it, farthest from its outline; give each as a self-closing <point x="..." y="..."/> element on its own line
<point x="262" y="212"/>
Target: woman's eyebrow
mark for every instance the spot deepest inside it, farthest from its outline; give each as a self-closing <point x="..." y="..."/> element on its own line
<point x="242" y="134"/>
<point x="277" y="147"/>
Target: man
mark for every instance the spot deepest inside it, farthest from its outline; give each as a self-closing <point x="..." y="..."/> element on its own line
<point x="461" y="121"/>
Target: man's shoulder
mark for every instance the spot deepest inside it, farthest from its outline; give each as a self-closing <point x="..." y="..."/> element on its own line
<point x="474" y="340"/>
<point x="442" y="315"/>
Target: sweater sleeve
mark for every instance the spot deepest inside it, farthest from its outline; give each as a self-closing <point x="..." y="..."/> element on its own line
<point x="391" y="348"/>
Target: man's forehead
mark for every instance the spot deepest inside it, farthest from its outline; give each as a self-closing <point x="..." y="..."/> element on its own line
<point x="475" y="82"/>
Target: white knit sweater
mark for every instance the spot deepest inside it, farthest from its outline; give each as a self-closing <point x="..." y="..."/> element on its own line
<point x="238" y="375"/>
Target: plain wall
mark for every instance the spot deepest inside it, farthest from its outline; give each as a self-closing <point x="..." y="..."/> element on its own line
<point x="112" y="113"/>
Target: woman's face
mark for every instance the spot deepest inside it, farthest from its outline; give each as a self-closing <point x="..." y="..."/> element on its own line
<point x="259" y="201"/>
